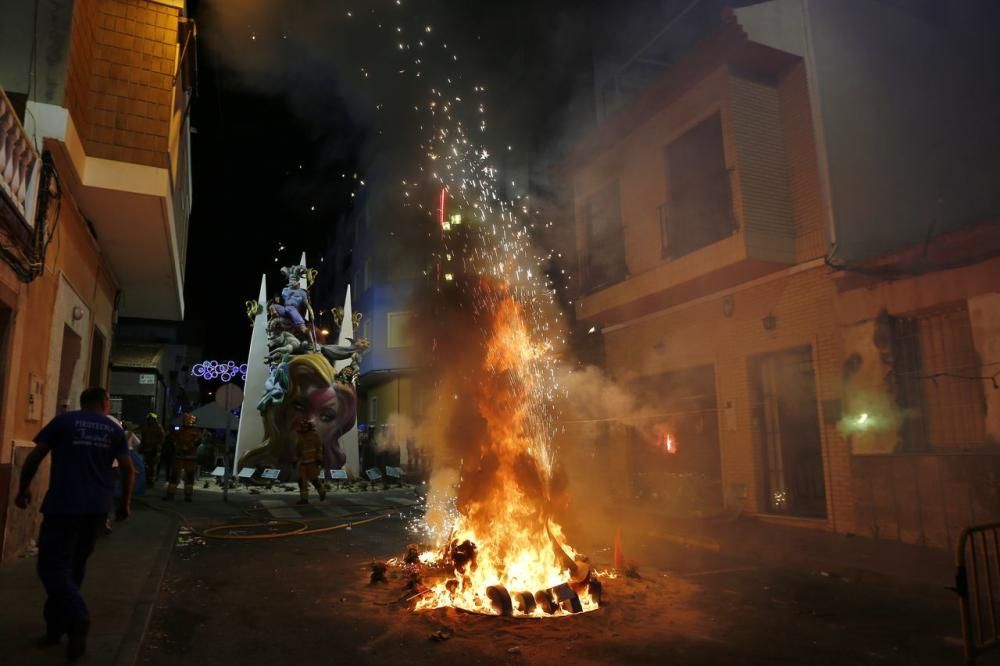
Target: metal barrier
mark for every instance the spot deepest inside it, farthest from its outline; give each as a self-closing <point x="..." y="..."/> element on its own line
<point x="977" y="583"/>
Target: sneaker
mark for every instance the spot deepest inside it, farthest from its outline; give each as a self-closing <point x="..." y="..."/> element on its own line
<point x="168" y="498"/>
<point x="187" y="498"/>
<point x="76" y="647"/>
<point x="303" y="501"/>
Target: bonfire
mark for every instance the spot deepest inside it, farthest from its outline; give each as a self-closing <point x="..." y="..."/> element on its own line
<point x="505" y="554"/>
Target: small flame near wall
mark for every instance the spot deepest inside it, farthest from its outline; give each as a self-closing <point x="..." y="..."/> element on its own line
<point x="665" y="441"/>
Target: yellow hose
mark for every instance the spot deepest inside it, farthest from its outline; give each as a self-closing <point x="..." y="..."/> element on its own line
<point x="301" y="527"/>
<point x="208" y="532"/>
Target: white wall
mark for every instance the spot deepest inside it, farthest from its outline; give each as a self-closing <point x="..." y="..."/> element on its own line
<point x="908" y="112"/>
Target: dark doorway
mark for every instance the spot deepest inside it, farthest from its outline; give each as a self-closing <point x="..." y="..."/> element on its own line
<point x="69" y="358"/>
<point x="97" y="373"/>
<point x="6" y="327"/>
<point x="786" y="430"/>
<point x="6" y="319"/>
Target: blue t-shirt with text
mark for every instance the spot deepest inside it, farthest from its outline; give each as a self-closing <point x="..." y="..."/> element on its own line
<point x="84" y="445"/>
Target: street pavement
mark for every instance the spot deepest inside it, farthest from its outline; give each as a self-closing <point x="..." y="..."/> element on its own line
<point x="123" y="579"/>
<point x="307" y="599"/>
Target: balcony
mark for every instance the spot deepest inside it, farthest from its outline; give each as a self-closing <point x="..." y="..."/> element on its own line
<point x="120" y="140"/>
<point x="20" y="174"/>
<point x="715" y="148"/>
<point x="19" y="164"/>
<point x="680" y="233"/>
<point x="599" y="272"/>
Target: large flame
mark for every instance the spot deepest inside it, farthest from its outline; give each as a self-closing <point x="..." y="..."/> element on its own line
<point x="504" y="496"/>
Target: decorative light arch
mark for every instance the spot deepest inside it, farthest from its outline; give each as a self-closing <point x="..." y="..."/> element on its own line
<point x="223" y="370"/>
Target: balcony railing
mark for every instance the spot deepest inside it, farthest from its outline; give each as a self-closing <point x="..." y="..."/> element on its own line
<point x="19" y="163"/>
<point x="683" y="230"/>
<point x="599" y="271"/>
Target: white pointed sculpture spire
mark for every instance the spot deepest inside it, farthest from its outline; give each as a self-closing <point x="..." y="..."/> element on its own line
<point x="349" y="442"/>
<point x="251" y="432"/>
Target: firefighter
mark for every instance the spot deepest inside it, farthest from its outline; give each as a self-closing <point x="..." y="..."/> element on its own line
<point x="185" y="457"/>
<point x="310" y="454"/>
<point x="150" y="442"/>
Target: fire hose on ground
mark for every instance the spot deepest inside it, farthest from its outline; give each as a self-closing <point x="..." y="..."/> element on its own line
<point x="297" y="527"/>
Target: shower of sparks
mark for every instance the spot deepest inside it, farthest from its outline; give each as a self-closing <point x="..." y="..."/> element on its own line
<point x="460" y="186"/>
<point x="496" y="242"/>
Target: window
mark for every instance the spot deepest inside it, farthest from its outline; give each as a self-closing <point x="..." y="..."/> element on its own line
<point x="936" y="371"/>
<point x="399" y="330"/>
<point x="97" y="359"/>
<point x="366" y="329"/>
<point x="699" y="208"/>
<point x="603" y="264"/>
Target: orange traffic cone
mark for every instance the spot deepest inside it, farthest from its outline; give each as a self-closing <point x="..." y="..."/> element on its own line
<point x="619" y="556"/>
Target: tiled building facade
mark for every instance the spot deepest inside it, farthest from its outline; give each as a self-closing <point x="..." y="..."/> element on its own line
<point x="852" y="397"/>
<point x="105" y="219"/>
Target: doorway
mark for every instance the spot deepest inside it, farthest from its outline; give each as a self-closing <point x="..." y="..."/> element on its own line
<point x="69" y="358"/>
<point x="6" y="328"/>
<point x="787" y="432"/>
<point x="97" y="367"/>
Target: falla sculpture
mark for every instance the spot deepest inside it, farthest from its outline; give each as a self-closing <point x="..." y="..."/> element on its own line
<point x="303" y="396"/>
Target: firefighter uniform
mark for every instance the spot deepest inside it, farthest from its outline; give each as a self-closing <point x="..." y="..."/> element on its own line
<point x="151" y="441"/>
<point x="310" y="455"/>
<point x="185" y="458"/>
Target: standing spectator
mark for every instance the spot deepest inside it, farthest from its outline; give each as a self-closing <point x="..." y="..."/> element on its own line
<point x="152" y="437"/>
<point x="84" y="444"/>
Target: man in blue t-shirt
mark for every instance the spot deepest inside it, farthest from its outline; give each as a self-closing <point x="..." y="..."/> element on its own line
<point x="84" y="444"/>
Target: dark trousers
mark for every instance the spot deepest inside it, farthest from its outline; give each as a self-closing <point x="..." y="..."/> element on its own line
<point x="65" y="542"/>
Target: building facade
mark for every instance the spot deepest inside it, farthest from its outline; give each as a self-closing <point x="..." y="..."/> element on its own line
<point x="100" y="224"/>
<point x="722" y="222"/>
<point x="386" y="272"/>
<point x="151" y="370"/>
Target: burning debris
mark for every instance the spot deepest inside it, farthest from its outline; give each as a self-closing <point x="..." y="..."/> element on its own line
<point x="455" y="575"/>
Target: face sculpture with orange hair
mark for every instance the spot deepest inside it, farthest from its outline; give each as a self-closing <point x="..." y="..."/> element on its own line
<point x="313" y="400"/>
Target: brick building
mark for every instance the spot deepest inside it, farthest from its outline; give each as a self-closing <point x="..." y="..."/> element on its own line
<point x="95" y="208"/>
<point x="721" y="233"/>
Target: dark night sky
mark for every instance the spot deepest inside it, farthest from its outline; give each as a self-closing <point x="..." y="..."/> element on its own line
<point x="282" y="114"/>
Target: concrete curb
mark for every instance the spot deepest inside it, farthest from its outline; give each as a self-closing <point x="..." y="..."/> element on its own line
<point x="131" y="643"/>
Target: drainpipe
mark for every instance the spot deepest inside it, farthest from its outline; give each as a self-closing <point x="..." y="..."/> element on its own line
<point x="822" y="158"/>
